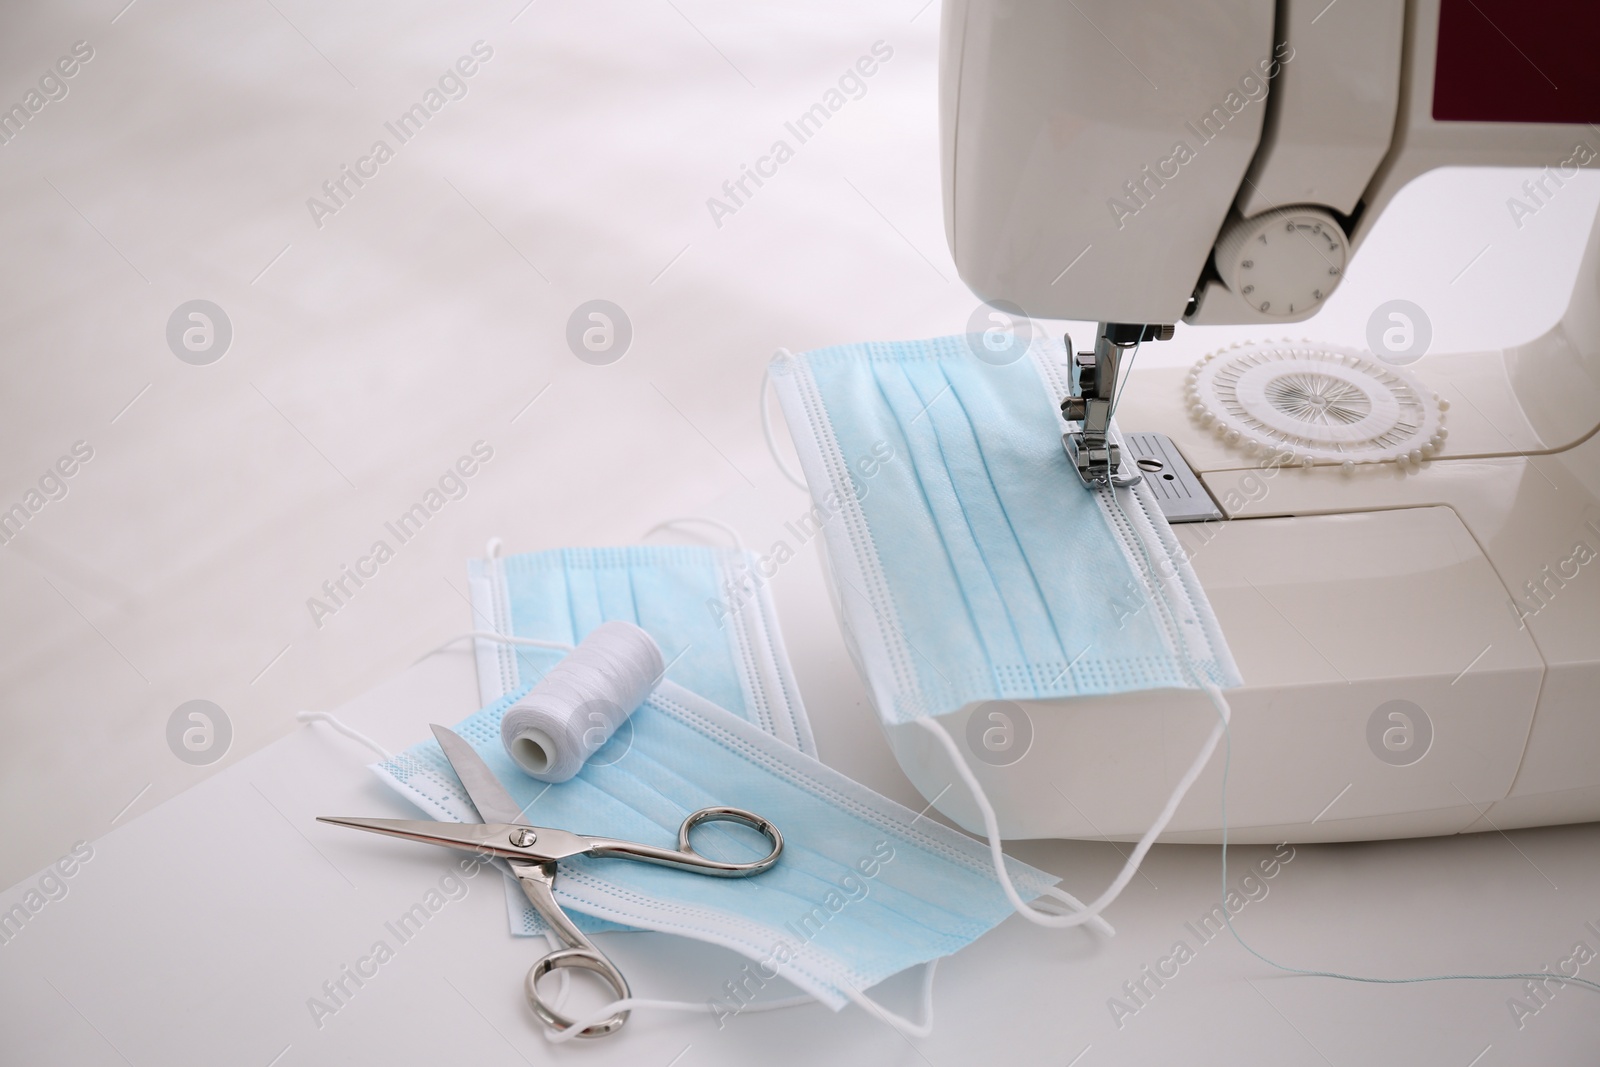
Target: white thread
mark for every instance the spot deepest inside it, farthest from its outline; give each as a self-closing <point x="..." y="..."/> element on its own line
<point x="991" y="825"/>
<point x="581" y="701"/>
<point x="685" y="520"/>
<point x="352" y="734"/>
<point x="1535" y="976"/>
<point x="766" y="426"/>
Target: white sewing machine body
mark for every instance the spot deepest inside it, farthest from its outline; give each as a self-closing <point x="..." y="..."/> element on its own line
<point x="1420" y="640"/>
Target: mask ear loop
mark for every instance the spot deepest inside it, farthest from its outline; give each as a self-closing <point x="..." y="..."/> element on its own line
<point x="921" y="1028"/>
<point x="341" y="727"/>
<point x="560" y="1037"/>
<point x="490" y="635"/>
<point x="564" y="976"/>
<point x="991" y="826"/>
<point x="689" y="520"/>
<point x="766" y="427"/>
<point x="899" y="1022"/>
<point x="353" y="734"/>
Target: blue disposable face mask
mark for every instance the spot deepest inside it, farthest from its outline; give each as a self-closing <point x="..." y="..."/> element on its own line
<point x="715" y="626"/>
<point x="865" y="889"/>
<point x="978" y="568"/>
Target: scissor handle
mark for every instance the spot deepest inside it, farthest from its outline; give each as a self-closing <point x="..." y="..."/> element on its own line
<point x="538" y="884"/>
<point x="588" y="959"/>
<point x="743" y="818"/>
<point x="685" y="858"/>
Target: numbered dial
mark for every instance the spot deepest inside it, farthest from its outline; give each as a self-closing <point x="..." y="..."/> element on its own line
<point x="1284" y="263"/>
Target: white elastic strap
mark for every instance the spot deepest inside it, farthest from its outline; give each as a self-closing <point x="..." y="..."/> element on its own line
<point x="558" y="1037"/>
<point x="991" y="825"/>
<point x="383" y="753"/>
<point x="352" y="734"/>
<point x="766" y="427"/>
<point x="1058" y="901"/>
<point x="689" y="520"/>
<point x="564" y="981"/>
<point x="922" y="1028"/>
<point x="490" y="635"/>
<point x="491" y="550"/>
<point x="899" y="1022"/>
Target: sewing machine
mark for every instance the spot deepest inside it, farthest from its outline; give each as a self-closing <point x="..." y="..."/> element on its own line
<point x="1402" y="554"/>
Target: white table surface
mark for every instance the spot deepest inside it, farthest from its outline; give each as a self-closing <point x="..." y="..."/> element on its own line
<point x="197" y="933"/>
<point x="426" y="315"/>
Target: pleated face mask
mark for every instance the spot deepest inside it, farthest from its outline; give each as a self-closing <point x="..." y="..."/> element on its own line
<point x="865" y="887"/>
<point x="978" y="567"/>
<point x="714" y="624"/>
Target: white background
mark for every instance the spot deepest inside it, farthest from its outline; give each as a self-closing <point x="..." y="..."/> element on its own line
<point x="369" y="353"/>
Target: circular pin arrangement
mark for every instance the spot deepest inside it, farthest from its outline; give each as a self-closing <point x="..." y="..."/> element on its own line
<point x="1307" y="404"/>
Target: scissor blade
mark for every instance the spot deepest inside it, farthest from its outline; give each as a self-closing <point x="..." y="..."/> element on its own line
<point x="492" y="839"/>
<point x="494" y="804"/>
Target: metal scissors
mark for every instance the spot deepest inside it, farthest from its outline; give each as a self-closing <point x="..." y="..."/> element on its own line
<point x="533" y="853"/>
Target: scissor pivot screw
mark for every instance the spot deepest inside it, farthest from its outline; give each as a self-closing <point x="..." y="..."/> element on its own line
<point x="522" y="837"/>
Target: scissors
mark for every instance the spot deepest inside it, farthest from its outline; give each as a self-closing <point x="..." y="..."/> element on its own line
<point x="533" y="853"/>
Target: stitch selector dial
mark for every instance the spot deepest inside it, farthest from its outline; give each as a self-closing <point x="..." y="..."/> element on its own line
<point x="1307" y="404"/>
<point x="1283" y="263"/>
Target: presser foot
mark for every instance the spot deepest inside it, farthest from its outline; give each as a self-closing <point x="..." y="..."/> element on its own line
<point x="1098" y="462"/>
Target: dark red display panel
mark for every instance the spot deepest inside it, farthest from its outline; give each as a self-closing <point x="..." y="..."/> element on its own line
<point x="1518" y="61"/>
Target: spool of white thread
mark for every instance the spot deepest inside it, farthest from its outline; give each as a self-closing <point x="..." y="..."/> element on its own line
<point x="580" y="703"/>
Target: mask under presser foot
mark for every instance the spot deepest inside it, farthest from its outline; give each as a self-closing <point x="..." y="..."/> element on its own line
<point x="1097" y="455"/>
